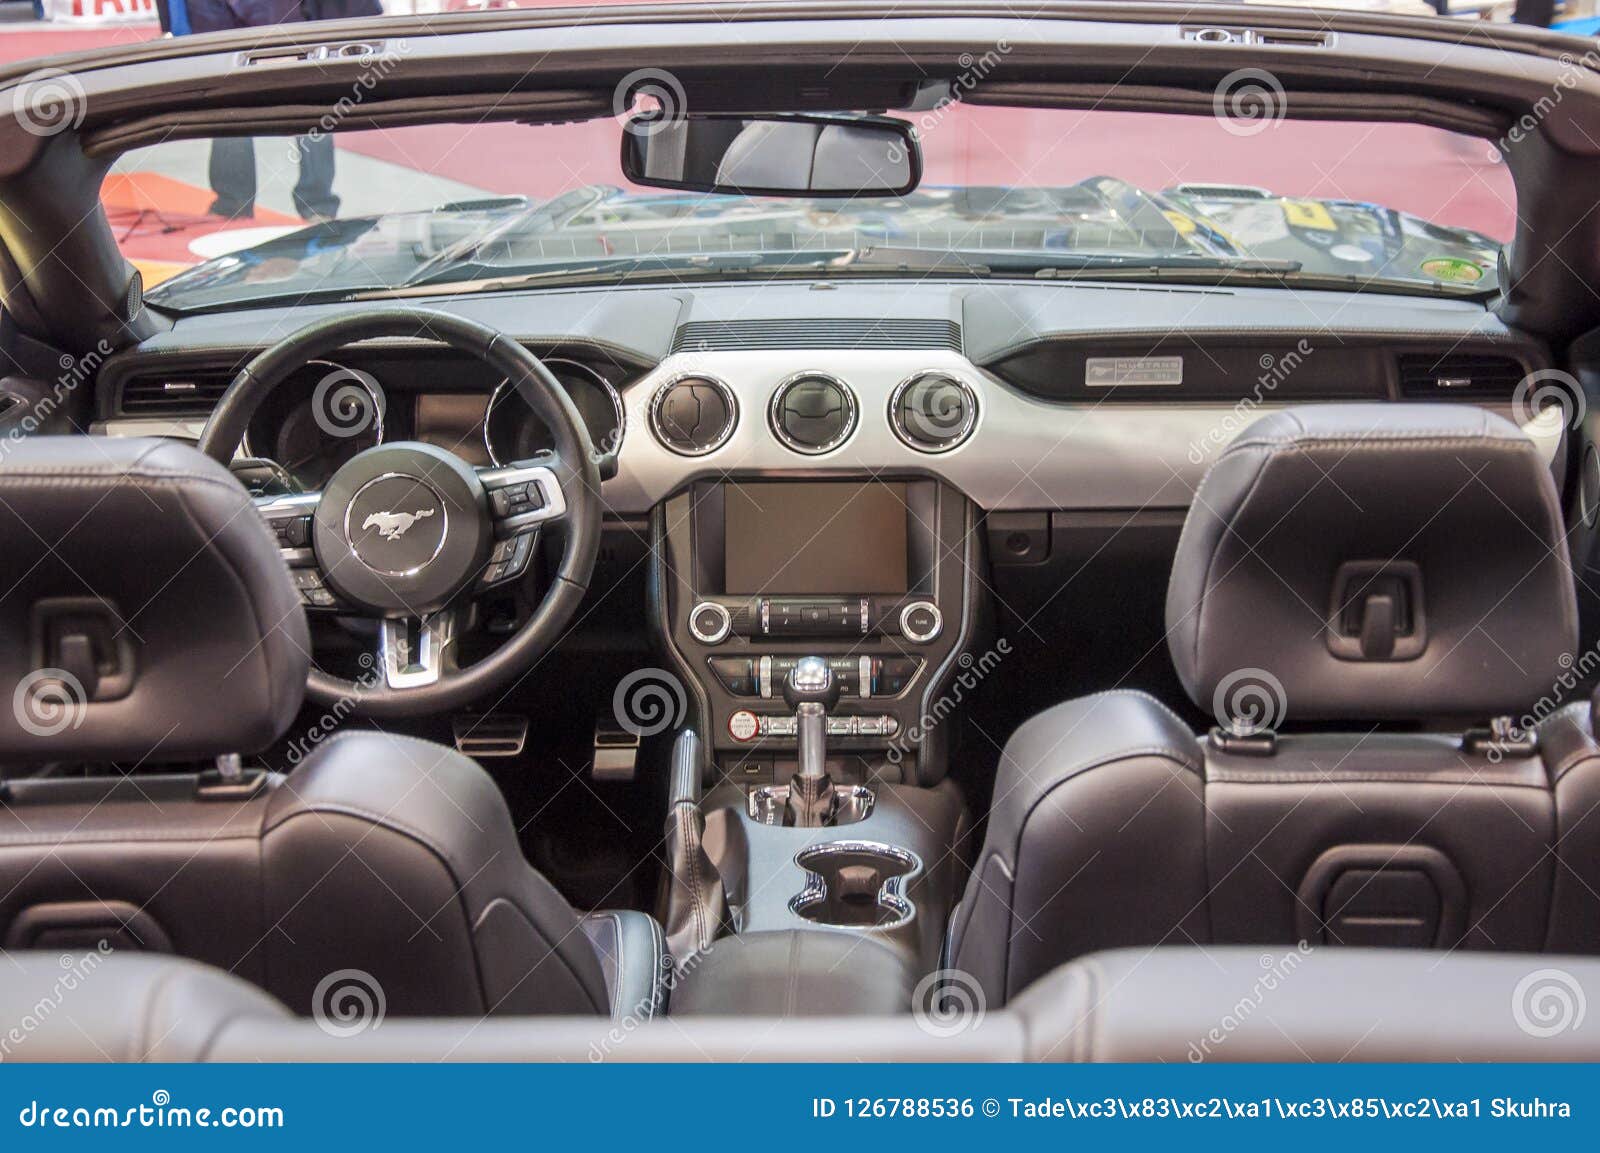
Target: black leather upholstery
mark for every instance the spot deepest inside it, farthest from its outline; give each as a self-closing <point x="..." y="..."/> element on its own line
<point x="191" y="590"/>
<point x="633" y="956"/>
<point x="1453" y="490"/>
<point x="795" y="973"/>
<point x="383" y="854"/>
<point x="1114" y="825"/>
<point x="1168" y="1005"/>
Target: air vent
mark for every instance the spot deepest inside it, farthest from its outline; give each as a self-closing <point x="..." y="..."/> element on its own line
<point x="693" y="415"/>
<point x="176" y="394"/>
<point x="1458" y="376"/>
<point x="933" y="411"/>
<point x="844" y="332"/>
<point x="813" y="413"/>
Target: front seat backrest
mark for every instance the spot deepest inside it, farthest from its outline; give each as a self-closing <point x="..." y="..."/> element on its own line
<point x="1343" y="563"/>
<point x="147" y="618"/>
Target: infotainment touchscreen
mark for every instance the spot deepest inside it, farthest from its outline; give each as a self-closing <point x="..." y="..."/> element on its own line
<point x="825" y="537"/>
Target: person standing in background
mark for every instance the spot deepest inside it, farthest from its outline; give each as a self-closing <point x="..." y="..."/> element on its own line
<point x="1538" y="13"/>
<point x="233" y="158"/>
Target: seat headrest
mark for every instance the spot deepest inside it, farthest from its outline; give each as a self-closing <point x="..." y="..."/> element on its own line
<point x="1373" y="561"/>
<point x="145" y="612"/>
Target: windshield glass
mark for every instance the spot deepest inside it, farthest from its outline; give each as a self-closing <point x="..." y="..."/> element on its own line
<point x="1005" y="192"/>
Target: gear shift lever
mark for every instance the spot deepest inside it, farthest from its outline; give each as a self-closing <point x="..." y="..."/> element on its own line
<point x="811" y="690"/>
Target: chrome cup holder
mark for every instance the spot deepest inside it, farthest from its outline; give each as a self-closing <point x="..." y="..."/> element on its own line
<point x="768" y="804"/>
<point x="856" y="884"/>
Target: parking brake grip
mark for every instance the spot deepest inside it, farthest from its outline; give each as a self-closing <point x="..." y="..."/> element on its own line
<point x="696" y="904"/>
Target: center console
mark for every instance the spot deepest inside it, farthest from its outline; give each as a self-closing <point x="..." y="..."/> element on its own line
<point x="817" y="625"/>
<point x="870" y="575"/>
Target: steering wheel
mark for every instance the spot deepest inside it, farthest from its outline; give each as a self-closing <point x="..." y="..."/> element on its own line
<point x="408" y="533"/>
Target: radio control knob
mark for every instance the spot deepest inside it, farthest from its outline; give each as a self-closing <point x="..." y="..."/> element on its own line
<point x="921" y="622"/>
<point x="709" y="623"/>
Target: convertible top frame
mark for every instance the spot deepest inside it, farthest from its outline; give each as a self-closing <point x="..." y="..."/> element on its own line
<point x="562" y="64"/>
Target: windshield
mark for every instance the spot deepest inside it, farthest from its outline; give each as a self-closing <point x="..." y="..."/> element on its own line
<point x="1005" y="192"/>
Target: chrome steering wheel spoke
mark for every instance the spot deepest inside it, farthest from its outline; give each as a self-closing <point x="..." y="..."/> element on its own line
<point x="413" y="652"/>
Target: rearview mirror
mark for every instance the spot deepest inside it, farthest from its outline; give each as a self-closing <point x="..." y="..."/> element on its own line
<point x="798" y="155"/>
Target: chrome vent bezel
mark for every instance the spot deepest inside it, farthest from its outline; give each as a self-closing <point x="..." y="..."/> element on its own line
<point x="852" y="416"/>
<point x="655" y="413"/>
<point x="949" y="444"/>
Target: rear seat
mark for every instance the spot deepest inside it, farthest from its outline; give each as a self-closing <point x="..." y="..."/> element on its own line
<point x="1169" y="1004"/>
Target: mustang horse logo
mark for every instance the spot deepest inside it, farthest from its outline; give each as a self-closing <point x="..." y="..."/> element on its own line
<point x="393" y="525"/>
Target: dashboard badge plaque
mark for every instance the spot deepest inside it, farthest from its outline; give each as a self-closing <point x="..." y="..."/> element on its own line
<point x="1133" y="371"/>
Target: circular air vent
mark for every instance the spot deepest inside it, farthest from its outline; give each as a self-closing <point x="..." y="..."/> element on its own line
<point x="693" y="415"/>
<point x="813" y="413"/>
<point x="933" y="411"/>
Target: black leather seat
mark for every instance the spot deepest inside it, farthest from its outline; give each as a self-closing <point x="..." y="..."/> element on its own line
<point x="1341" y="566"/>
<point x="139" y="573"/>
